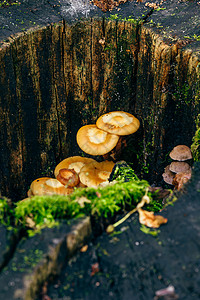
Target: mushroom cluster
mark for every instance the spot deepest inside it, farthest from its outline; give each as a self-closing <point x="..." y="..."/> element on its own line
<point x="77" y="171"/>
<point x="179" y="170"/>
<point x="101" y="138"/>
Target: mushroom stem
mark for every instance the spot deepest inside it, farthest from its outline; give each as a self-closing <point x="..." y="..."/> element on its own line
<point x="125" y="217"/>
<point x="145" y="199"/>
<point x="115" y="154"/>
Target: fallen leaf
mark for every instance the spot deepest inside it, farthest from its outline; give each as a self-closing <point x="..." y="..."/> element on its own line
<point x="108" y="5"/>
<point x="82" y="200"/>
<point x="30" y="223"/>
<point x="170" y="290"/>
<point x="95" y="269"/>
<point x="98" y="194"/>
<point x="84" y="248"/>
<point x="149" y="219"/>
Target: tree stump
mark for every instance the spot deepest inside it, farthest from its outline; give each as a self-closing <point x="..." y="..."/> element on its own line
<point x="58" y="77"/>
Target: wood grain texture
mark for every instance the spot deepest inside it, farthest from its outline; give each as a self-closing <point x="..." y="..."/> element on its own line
<point x="60" y="77"/>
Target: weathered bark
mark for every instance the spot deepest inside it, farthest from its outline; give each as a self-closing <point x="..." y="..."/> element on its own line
<point x="58" y="78"/>
<point x="167" y="82"/>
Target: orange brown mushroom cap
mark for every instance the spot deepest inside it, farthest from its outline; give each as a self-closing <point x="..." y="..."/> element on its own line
<point x="181" y="153"/>
<point x="68" y="177"/>
<point x="73" y="162"/>
<point x="95" y="141"/>
<point x="118" y="122"/>
<point x="49" y="186"/>
<point x="95" y="173"/>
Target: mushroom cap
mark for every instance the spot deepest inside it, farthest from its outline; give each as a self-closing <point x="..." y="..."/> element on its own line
<point x="118" y="122"/>
<point x="49" y="186"/>
<point x="179" y="166"/>
<point x="95" y="141"/>
<point x="168" y="175"/>
<point x="68" y="177"/>
<point x="73" y="162"/>
<point x="95" y="173"/>
<point x="181" y="153"/>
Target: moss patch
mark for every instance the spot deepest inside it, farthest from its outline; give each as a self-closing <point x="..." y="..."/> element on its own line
<point x="123" y="194"/>
<point x="195" y="147"/>
<point x="104" y="201"/>
<point x="6" y="212"/>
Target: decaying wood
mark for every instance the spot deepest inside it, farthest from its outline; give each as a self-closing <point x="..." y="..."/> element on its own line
<point x="58" y="78"/>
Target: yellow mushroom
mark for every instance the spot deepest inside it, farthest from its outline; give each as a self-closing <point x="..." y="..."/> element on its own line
<point x="95" y="141"/>
<point x="68" y="177"/>
<point x="95" y="173"/>
<point x="118" y="122"/>
<point x="73" y="162"/>
<point x="48" y="186"/>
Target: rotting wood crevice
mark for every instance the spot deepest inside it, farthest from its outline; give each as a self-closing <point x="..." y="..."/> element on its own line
<point x="58" y="122"/>
<point x="103" y="27"/>
<point x="91" y="64"/>
<point x="135" y="72"/>
<point x="62" y="43"/>
<point x="21" y="143"/>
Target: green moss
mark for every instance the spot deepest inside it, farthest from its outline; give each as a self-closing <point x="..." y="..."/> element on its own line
<point x="31" y="259"/>
<point x="123" y="172"/>
<point x="131" y="19"/>
<point x="46" y="211"/>
<point x="182" y="94"/>
<point x="104" y="201"/>
<point x="146" y="230"/>
<point x="6" y="212"/>
<point x="6" y="3"/>
<point x="195" y="147"/>
<point x="193" y="37"/>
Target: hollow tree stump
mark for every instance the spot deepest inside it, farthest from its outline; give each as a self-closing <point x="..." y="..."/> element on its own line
<point x="58" y="77"/>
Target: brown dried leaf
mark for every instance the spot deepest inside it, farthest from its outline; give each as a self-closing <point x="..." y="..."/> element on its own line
<point x="30" y="223"/>
<point x="149" y="219"/>
<point x="108" y="5"/>
<point x="98" y="194"/>
<point x="95" y="269"/>
<point x="84" y="248"/>
<point x="82" y="200"/>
